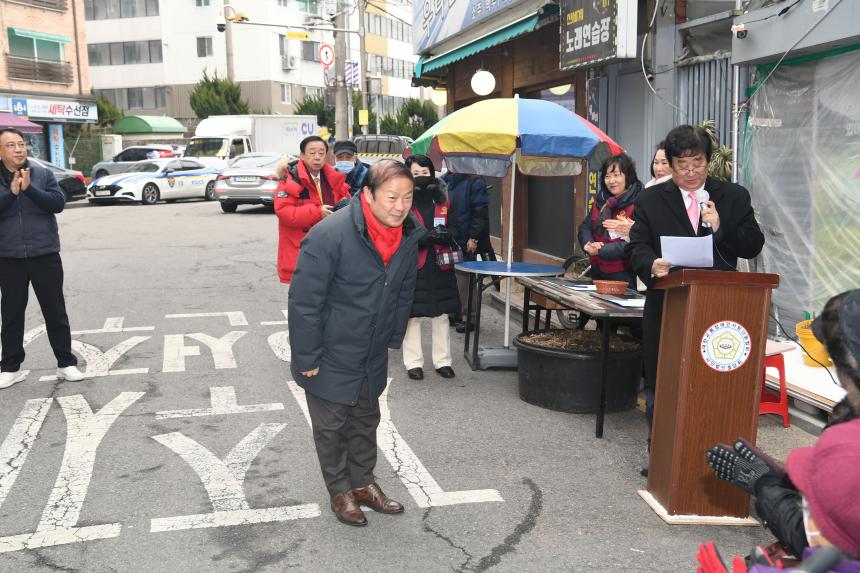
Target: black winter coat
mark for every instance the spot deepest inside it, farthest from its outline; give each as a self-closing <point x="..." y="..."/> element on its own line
<point x="436" y="290"/>
<point x="28" y="226"/>
<point x="346" y="308"/>
<point x="660" y="211"/>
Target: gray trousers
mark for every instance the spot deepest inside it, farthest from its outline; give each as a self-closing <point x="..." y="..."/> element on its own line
<point x="345" y="439"/>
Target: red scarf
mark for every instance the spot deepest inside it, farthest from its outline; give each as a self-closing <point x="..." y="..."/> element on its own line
<point x="385" y="239"/>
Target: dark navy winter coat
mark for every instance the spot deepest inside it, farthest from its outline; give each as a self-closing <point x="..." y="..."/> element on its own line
<point x="469" y="201"/>
<point x="28" y="225"/>
<point x="346" y="309"/>
<point x="357" y="177"/>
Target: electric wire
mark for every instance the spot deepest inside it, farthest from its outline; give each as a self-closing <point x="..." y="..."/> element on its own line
<point x="657" y="6"/>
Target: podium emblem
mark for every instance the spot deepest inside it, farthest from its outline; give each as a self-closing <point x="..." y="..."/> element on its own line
<point x="725" y="346"/>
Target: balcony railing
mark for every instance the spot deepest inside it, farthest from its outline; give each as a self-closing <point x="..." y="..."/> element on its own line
<point x="61" y="5"/>
<point x="32" y="70"/>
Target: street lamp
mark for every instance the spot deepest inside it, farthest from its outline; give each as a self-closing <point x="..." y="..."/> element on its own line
<point x="439" y="96"/>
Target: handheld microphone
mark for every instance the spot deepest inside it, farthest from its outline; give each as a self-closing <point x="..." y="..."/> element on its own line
<point x="701" y="197"/>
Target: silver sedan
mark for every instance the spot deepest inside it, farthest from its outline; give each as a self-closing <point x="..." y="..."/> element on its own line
<point x="249" y="179"/>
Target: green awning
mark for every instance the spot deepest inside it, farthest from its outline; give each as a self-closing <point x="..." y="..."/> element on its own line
<point x="41" y="36"/>
<point x="424" y="64"/>
<point x="147" y="124"/>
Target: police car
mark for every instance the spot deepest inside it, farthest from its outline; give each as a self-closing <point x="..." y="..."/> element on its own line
<point x="153" y="180"/>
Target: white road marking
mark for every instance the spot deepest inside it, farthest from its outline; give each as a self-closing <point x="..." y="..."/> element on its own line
<point x="85" y="431"/>
<point x="223" y="402"/>
<point x="175" y="349"/>
<point x="222" y="348"/>
<point x="224" y="483"/>
<point x="175" y="352"/>
<point x="114" y="324"/>
<point x="279" y="342"/>
<point x="419" y="483"/>
<point x="99" y="363"/>
<point x="19" y="442"/>
<point x="276" y="322"/>
<point x="236" y="317"/>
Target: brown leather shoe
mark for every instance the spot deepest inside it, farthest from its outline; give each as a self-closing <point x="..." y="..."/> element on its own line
<point x="346" y="508"/>
<point x="373" y="497"/>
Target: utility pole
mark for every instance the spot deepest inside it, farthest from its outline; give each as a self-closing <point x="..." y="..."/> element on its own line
<point x="340" y="107"/>
<point x="228" y="38"/>
<point x="362" y="56"/>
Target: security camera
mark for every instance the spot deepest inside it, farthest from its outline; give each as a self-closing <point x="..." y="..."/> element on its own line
<point x="221" y="24"/>
<point x="740" y="31"/>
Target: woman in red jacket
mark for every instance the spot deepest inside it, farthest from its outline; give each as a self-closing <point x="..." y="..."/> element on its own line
<point x="307" y="193"/>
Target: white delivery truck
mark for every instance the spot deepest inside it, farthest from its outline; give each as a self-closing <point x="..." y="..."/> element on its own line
<point x="219" y="138"/>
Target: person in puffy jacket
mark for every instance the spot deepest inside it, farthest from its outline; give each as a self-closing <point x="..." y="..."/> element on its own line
<point x="307" y="193"/>
<point x="606" y="229"/>
<point x="436" y="293"/>
<point x="349" y="303"/>
<point x="30" y="254"/>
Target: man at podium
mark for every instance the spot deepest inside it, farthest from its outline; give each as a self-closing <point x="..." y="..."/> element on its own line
<point x="690" y="204"/>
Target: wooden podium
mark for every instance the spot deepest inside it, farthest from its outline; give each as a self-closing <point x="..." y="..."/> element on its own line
<point x="709" y="378"/>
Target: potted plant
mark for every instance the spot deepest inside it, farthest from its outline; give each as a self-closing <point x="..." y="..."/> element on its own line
<point x="561" y="369"/>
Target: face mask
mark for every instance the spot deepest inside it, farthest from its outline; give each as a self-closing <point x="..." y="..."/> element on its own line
<point x="344" y="166"/>
<point x="423" y="180"/>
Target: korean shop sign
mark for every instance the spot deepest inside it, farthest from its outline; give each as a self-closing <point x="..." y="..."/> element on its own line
<point x="596" y="31"/>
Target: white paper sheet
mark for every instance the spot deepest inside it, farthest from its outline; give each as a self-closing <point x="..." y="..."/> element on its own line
<point x="695" y="252"/>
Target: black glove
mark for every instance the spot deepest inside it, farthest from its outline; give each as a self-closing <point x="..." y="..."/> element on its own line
<point x="440" y="235"/>
<point x="340" y="204"/>
<point x="742" y="464"/>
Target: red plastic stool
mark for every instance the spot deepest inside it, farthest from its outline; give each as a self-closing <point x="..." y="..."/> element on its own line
<point x="772" y="403"/>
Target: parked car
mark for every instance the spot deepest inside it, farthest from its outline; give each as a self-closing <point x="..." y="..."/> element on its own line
<point x="249" y="179"/>
<point x="151" y="181"/>
<point x="373" y="147"/>
<point x="130" y="155"/>
<point x="71" y="182"/>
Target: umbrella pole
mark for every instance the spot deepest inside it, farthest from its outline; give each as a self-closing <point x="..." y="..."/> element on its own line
<point x="510" y="254"/>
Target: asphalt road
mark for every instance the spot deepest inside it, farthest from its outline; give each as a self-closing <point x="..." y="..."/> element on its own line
<point x="186" y="449"/>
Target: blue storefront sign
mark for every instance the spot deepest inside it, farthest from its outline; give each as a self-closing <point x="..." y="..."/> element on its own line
<point x="434" y="21"/>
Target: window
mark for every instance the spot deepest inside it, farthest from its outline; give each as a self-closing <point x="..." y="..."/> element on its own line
<point x="107" y="9"/>
<point x="311" y="51"/>
<point x="282" y="44"/>
<point x="119" y="53"/>
<point x="139" y="98"/>
<point x="201" y="3"/>
<point x="286" y="93"/>
<point x="23" y="47"/>
<point x="282" y="2"/>
<point x="312" y="92"/>
<point x="204" y="46"/>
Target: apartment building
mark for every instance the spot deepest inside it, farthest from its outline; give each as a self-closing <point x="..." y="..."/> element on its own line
<point x="147" y="55"/>
<point x="44" y="77"/>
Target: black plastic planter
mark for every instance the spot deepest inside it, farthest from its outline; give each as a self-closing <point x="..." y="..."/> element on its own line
<point x="569" y="381"/>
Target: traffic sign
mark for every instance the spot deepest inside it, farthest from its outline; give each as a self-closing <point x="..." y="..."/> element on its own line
<point x="326" y="54"/>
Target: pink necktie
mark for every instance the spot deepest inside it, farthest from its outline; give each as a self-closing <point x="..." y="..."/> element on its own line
<point x="693" y="212"/>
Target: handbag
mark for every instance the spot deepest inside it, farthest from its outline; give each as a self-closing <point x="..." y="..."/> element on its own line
<point x="447" y="257"/>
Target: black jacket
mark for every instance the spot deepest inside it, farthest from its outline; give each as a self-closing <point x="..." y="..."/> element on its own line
<point x="436" y="290"/>
<point x="346" y="308"/>
<point x="28" y="225"/>
<point x="660" y="211"/>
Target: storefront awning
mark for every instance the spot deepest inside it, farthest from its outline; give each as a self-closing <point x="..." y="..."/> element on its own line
<point x="41" y="36"/>
<point x="499" y="36"/>
<point x="11" y="120"/>
<point x="148" y="124"/>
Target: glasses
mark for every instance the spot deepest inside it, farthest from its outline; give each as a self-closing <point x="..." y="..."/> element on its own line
<point x="694" y="168"/>
<point x="14" y="145"/>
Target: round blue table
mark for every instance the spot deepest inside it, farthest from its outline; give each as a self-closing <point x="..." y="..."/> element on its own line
<point x="479" y="270"/>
